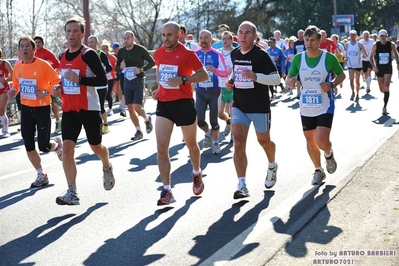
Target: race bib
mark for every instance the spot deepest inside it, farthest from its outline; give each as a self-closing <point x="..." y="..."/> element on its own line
<point x="383" y="58"/>
<point x="353" y="53"/>
<point x="165" y="72"/>
<point x="239" y="81"/>
<point x="28" y="88"/>
<point x="69" y="86"/>
<point x="311" y="98"/>
<point x="129" y="73"/>
<point x="299" y="48"/>
<point x="207" y="83"/>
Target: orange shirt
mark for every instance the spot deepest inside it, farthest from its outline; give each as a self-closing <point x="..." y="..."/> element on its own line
<point x="112" y="60"/>
<point x="29" y="78"/>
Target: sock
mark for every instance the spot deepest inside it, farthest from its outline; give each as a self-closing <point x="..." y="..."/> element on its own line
<point x="368" y="81"/>
<point x="328" y="155"/>
<point x="39" y="171"/>
<point x="228" y="121"/>
<point x="138" y="128"/>
<point x="320" y="169"/>
<point x="166" y="187"/>
<point x="197" y="172"/>
<point x="386" y="98"/>
<point x="272" y="165"/>
<point x="4" y="122"/>
<point x="72" y="188"/>
<point x="208" y="133"/>
<point x="215" y="141"/>
<point x="241" y="180"/>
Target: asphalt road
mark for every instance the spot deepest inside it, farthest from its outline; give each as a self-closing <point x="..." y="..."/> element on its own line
<point x="124" y="226"/>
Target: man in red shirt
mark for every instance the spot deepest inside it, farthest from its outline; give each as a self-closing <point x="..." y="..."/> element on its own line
<point x="327" y="44"/>
<point x="47" y="55"/>
<point x="177" y="68"/>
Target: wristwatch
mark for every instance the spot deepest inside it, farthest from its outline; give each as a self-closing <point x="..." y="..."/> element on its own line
<point x="46" y="92"/>
<point x="184" y="79"/>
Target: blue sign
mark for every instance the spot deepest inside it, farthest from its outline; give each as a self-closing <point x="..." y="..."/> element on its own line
<point x="344" y="20"/>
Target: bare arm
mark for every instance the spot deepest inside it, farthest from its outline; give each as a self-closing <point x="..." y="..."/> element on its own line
<point x="372" y="53"/>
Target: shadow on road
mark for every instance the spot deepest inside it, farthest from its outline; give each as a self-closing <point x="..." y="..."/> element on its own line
<point x="129" y="248"/>
<point x="226" y="229"/>
<point x="386" y="121"/>
<point x="355" y="107"/>
<point x="11" y="146"/>
<point x="300" y="215"/>
<point x="17" y="250"/>
<point x="19" y="195"/>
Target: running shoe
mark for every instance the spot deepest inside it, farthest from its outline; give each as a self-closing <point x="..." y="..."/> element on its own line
<point x="148" y="125"/>
<point x="271" y="176"/>
<point x="298" y="96"/>
<point x="108" y="178"/>
<point x="58" y="150"/>
<point x="352" y="96"/>
<point x="41" y="180"/>
<point x="138" y="135"/>
<point x="70" y="198"/>
<point x="368" y="90"/>
<point x="215" y="148"/>
<point x="5" y="135"/>
<point x="166" y="198"/>
<point x="198" y="185"/>
<point x="123" y="113"/>
<point x="227" y="129"/>
<point x="318" y="177"/>
<point x="105" y="129"/>
<point x="331" y="164"/>
<point x="242" y="191"/>
<point x="207" y="141"/>
<point x="384" y="111"/>
<point x="57" y="127"/>
<point x="109" y="112"/>
<point x="357" y="98"/>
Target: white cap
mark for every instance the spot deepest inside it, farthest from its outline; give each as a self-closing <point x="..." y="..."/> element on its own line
<point x="382" y="32"/>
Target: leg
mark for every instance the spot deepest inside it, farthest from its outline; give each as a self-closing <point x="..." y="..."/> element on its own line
<point x="163" y="132"/>
<point x="268" y="146"/>
<point x="240" y="132"/>
<point x="68" y="161"/>
<point x="312" y="147"/>
<point x="190" y="137"/>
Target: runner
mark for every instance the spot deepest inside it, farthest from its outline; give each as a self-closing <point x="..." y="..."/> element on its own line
<point x="327" y="44"/>
<point x="93" y="43"/>
<point x="6" y="72"/>
<point x="317" y="99"/>
<point x="353" y="62"/>
<point x="131" y="62"/>
<point x="221" y="28"/>
<point x="189" y="44"/>
<point x="382" y="66"/>
<point x="368" y="45"/>
<point x="177" y="68"/>
<point x="253" y="71"/>
<point x="111" y="77"/>
<point x="81" y="72"/>
<point x="299" y="47"/>
<point x="226" y="97"/>
<point x="34" y="78"/>
<point x="279" y="59"/>
<point x="47" y="55"/>
<point x="207" y="92"/>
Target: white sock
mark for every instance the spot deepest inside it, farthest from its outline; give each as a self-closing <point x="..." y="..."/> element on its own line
<point x="197" y="172"/>
<point x="4" y="122"/>
<point x="368" y="81"/>
<point x="39" y="171"/>
<point x="166" y="187"/>
<point x="272" y="165"/>
<point x="138" y="128"/>
<point x="241" y="180"/>
<point x="320" y="168"/>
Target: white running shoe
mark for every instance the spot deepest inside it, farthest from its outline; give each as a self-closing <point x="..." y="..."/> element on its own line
<point x="271" y="177"/>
